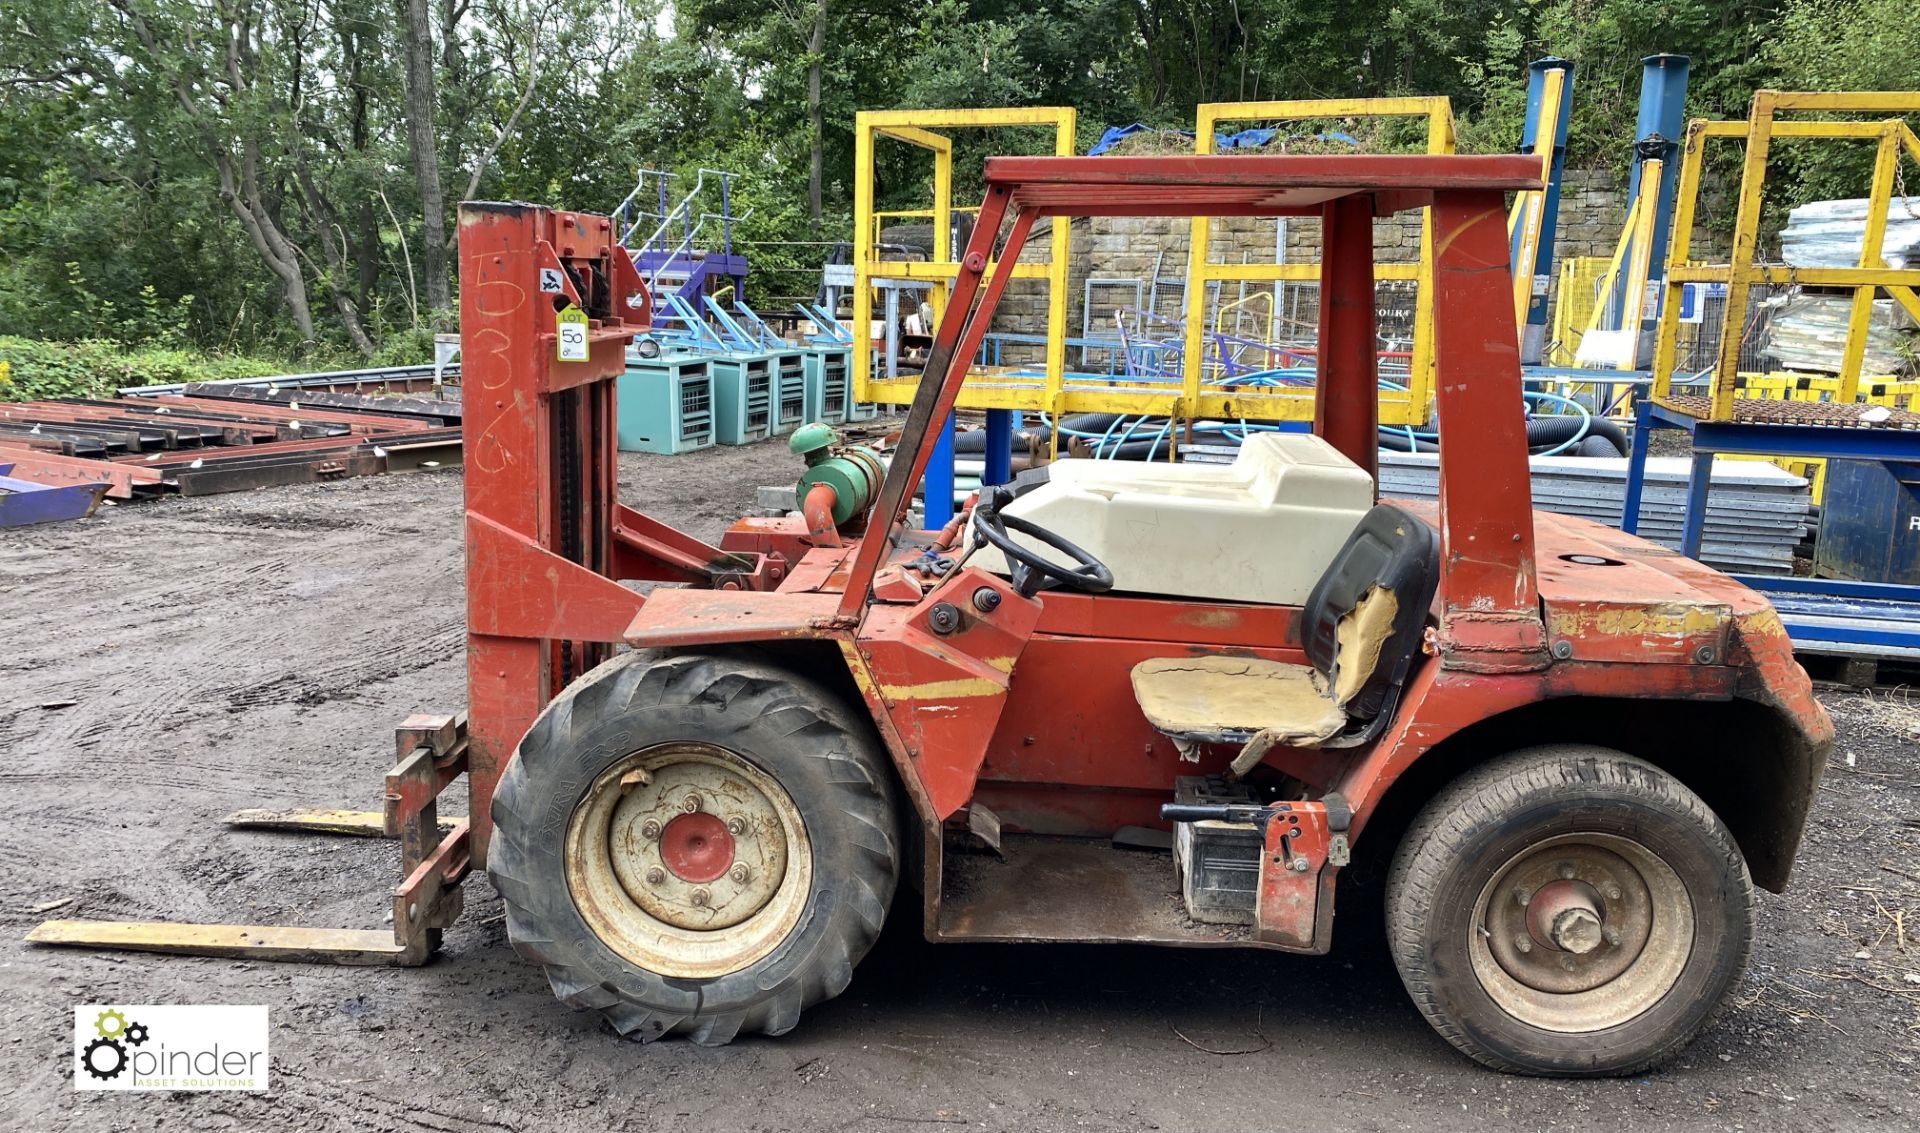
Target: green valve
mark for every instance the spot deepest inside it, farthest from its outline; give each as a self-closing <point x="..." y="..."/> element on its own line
<point x="853" y="472"/>
<point x="809" y="439"/>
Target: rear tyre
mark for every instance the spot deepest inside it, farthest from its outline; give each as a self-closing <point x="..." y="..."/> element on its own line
<point x="695" y="844"/>
<point x="1569" y="910"/>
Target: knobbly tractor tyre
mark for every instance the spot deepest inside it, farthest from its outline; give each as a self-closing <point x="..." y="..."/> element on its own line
<point x="695" y="844"/>
<point x="1569" y="911"/>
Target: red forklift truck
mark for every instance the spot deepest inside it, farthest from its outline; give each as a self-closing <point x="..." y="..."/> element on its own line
<point x="1156" y="703"/>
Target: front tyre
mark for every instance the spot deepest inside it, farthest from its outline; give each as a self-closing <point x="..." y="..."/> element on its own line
<point x="695" y="844"/>
<point x="1569" y="910"/>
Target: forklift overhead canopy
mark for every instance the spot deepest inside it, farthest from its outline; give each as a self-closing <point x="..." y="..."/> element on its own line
<point x="1247" y="186"/>
<point x="1491" y="620"/>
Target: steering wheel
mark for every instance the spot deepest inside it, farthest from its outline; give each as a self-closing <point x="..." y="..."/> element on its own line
<point x="1030" y="571"/>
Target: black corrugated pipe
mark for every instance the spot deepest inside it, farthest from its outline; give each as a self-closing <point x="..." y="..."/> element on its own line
<point x="1546" y="432"/>
<point x="1397" y="440"/>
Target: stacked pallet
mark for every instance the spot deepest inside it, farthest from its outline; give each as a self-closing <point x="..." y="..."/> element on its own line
<point x="1808" y="333"/>
<point x="1828" y="234"/>
<point x="1756" y="513"/>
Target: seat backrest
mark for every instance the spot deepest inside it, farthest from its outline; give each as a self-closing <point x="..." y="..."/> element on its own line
<point x="1364" y="618"/>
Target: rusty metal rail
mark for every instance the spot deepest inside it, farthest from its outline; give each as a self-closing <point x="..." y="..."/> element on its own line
<point x="231" y="439"/>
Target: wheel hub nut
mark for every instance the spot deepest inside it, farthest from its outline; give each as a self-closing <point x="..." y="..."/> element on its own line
<point x="700" y="898"/>
<point x="1576" y="931"/>
<point x="690" y="804"/>
<point x="736" y="826"/>
<point x="1564" y="915"/>
<point x="656" y="875"/>
<point x="649" y="829"/>
<point x="739" y="873"/>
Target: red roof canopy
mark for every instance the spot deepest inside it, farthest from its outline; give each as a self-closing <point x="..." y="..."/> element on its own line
<point x="1228" y="185"/>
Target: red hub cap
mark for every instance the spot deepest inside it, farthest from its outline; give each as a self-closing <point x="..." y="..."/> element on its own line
<point x="696" y="847"/>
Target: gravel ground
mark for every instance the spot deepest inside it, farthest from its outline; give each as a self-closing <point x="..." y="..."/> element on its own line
<point x="257" y="650"/>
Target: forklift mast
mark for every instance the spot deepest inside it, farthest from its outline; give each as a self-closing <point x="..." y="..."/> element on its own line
<point x="548" y="302"/>
<point x="540" y="460"/>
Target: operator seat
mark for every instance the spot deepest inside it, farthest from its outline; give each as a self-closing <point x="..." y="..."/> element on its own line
<point x="1360" y="628"/>
<point x="1258" y="530"/>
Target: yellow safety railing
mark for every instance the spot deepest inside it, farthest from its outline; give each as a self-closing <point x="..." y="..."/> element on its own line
<point x="1409" y="407"/>
<point x="1194" y="395"/>
<point x="1640" y="302"/>
<point x="1633" y="256"/>
<point x="925" y="130"/>
<point x="1870" y="275"/>
<point x="1233" y="307"/>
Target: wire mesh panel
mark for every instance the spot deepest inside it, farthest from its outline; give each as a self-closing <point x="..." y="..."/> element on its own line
<point x="1698" y="337"/>
<point x="1577" y="295"/>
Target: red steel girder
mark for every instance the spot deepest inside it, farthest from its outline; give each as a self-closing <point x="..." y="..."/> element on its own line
<point x="1264" y="172"/>
<point x="216" y="411"/>
<point x="51" y="468"/>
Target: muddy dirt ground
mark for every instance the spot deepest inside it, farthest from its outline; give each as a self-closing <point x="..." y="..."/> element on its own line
<point x="257" y="650"/>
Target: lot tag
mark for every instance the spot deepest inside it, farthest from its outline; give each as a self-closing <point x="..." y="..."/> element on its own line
<point x="570" y="329"/>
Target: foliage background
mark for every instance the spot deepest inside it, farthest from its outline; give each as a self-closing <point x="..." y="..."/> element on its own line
<point x="184" y="178"/>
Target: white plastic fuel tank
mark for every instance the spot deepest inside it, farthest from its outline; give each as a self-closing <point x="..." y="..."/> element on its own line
<point x="1261" y="529"/>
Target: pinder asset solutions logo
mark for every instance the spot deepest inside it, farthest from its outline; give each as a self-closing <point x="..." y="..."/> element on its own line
<point x="203" y="1047"/>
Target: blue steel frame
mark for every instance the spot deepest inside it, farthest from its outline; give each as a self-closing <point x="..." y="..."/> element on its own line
<point x="828" y="330"/>
<point x="1894" y="447"/>
<point x="1829" y="612"/>
<point x="23" y="502"/>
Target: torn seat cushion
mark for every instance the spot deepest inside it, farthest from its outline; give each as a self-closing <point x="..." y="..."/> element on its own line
<point x="1224" y="699"/>
<point x="1360" y="629"/>
<point x="1390" y="552"/>
<point x="1362" y="633"/>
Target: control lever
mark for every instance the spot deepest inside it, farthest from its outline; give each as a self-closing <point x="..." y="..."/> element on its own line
<point x="1259" y="816"/>
<point x="1221" y="812"/>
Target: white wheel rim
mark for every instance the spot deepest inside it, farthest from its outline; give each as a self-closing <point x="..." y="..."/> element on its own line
<point x="688" y="861"/>
<point x="1625" y="933"/>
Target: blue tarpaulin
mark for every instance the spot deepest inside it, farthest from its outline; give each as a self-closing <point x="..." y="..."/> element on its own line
<point x="1245" y="139"/>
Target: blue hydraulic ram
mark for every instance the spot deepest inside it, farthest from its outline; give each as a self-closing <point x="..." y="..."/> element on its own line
<point x="1533" y="330"/>
<point x="1663" y="94"/>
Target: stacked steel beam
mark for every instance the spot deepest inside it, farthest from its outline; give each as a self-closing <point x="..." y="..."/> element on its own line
<point x="223" y="437"/>
<point x="1756" y="513"/>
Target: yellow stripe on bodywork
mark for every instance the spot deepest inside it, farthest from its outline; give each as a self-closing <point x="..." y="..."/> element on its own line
<point x="944" y="690"/>
<point x="1638" y="621"/>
